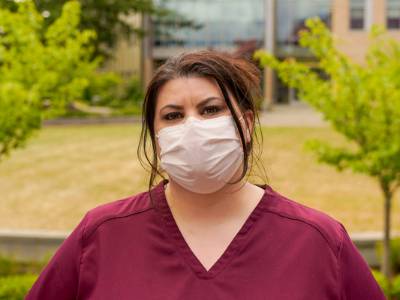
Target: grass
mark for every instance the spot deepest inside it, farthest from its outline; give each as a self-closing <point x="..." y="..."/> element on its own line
<point x="67" y="170"/>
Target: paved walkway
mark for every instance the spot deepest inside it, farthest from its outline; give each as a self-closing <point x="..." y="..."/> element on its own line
<point x="296" y="114"/>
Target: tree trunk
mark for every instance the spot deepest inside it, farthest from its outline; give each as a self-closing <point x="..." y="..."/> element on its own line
<point x="386" y="267"/>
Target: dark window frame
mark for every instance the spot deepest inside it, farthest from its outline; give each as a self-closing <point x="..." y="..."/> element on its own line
<point x="392" y="23"/>
<point x="358" y="22"/>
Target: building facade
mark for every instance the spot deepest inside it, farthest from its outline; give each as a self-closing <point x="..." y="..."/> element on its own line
<point x="352" y="20"/>
<point x="127" y="57"/>
<point x="244" y="26"/>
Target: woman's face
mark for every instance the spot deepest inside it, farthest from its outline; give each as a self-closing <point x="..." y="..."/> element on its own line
<point x="198" y="97"/>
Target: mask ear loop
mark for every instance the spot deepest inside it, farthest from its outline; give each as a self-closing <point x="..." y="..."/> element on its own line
<point x="248" y="135"/>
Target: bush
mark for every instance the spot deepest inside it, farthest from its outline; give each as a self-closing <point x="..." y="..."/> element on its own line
<point x="383" y="282"/>
<point x="122" y="96"/>
<point x="133" y="91"/>
<point x="395" y="253"/>
<point x="10" y="266"/>
<point x="102" y="89"/>
<point x="130" y="98"/>
<point x="16" y="287"/>
<point x="396" y="287"/>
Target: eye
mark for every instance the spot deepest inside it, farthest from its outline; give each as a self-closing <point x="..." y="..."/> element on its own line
<point x="210" y="110"/>
<point x="172" y="116"/>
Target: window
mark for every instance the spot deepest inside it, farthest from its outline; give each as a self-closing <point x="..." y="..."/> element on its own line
<point x="218" y="23"/>
<point x="357" y="14"/>
<point x="290" y="21"/>
<point x="393" y="14"/>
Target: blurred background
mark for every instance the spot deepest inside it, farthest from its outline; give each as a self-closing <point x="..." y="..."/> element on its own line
<point x="72" y="80"/>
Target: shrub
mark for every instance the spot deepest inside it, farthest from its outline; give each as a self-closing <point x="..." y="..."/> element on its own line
<point x="133" y="91"/>
<point x="394" y="253"/>
<point x="383" y="282"/>
<point x="10" y="266"/>
<point x="102" y="89"/>
<point x="16" y="287"/>
<point x="123" y="96"/>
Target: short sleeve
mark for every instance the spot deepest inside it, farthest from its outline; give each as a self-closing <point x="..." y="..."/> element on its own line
<point x="356" y="281"/>
<point x="59" y="279"/>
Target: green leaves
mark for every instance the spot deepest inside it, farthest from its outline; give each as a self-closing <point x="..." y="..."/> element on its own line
<point x="392" y="289"/>
<point x="104" y="17"/>
<point x="16" y="287"/>
<point x="42" y="69"/>
<point x="19" y="116"/>
<point x="362" y="102"/>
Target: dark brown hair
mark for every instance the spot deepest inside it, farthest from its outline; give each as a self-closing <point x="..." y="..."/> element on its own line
<point x="238" y="75"/>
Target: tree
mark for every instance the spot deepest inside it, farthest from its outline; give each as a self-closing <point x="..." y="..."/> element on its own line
<point x="362" y="102"/>
<point x="41" y="69"/>
<point x="106" y="18"/>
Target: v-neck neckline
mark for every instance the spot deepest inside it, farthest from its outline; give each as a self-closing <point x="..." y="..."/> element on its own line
<point x="177" y="237"/>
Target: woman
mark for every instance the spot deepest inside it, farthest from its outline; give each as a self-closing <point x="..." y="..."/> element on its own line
<point x="205" y="231"/>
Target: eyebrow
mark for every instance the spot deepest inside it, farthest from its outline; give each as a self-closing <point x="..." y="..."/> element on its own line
<point x="202" y="103"/>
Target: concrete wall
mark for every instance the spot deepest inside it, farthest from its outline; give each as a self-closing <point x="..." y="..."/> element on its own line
<point x="29" y="245"/>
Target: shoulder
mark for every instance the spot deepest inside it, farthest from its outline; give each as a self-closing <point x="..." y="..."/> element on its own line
<point x="319" y="223"/>
<point x="127" y="207"/>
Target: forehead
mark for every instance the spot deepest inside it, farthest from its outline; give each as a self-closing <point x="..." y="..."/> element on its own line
<point x="187" y="89"/>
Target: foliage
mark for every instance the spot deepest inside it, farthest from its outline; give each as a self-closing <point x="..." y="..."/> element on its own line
<point x="362" y="102"/>
<point x="395" y="253"/>
<point x="392" y="290"/>
<point x="106" y="18"/>
<point x="130" y="98"/>
<point x="133" y="91"/>
<point x="19" y="116"/>
<point x="103" y="17"/>
<point x="17" y="277"/>
<point x="110" y="89"/>
<point x="42" y="69"/>
<point x="382" y="281"/>
<point x="396" y="287"/>
<point x="16" y="287"/>
<point x="10" y="266"/>
<point x="102" y="89"/>
<point x="108" y="93"/>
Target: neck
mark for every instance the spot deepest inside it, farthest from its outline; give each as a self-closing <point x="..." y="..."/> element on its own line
<point x="227" y="202"/>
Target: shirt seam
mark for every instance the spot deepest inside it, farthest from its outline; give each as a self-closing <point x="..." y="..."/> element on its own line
<point x="315" y="226"/>
<point x="81" y="253"/>
<point x="101" y="222"/>
<point x="84" y="238"/>
<point x="339" y="269"/>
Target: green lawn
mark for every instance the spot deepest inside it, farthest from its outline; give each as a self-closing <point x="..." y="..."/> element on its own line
<point x="65" y="171"/>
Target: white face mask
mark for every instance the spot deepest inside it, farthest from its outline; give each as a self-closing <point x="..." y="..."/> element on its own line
<point x="201" y="155"/>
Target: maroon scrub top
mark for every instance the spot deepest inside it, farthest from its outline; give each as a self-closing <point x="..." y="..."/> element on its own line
<point x="132" y="249"/>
